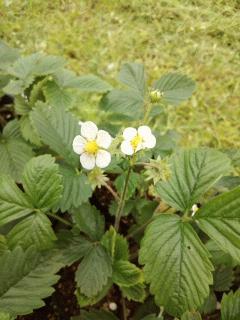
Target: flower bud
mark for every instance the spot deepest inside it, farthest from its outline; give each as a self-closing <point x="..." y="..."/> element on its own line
<point x="155" y="95"/>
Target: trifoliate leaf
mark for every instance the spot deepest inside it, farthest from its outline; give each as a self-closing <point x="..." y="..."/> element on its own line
<point x="94" y="271"/>
<point x="175" y="87"/>
<point x="42" y="181"/>
<point x="194" y="315"/>
<point x="26" y="279"/>
<point x="193" y="173"/>
<point x="126" y="273"/>
<point x="57" y="96"/>
<point x="220" y="220"/>
<point x="135" y="293"/>
<point x="35" y="229"/>
<point x="230" y="306"/>
<point x="89" y="221"/>
<point x="132" y="75"/>
<point x="57" y="129"/>
<point x="177" y="265"/>
<point x="76" y="188"/>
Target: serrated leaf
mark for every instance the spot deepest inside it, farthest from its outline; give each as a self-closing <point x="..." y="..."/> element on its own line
<point x="194" y="315"/>
<point x="126" y="273"/>
<point x="48" y="65"/>
<point x="175" y="87"/>
<point x="21" y="105"/>
<point x="15" y="87"/>
<point x="135" y="293"/>
<point x="126" y="102"/>
<point x="26" y="279"/>
<point x="89" y="221"/>
<point x="76" y="188"/>
<point x="193" y="173"/>
<point x="132" y="75"/>
<point x="134" y="181"/>
<point x="223" y="278"/>
<point x="94" y="271"/>
<point x="13" y="202"/>
<point x="95" y="315"/>
<point x="12" y="129"/>
<point x="57" y="128"/>
<point x="90" y="83"/>
<point x="28" y="131"/>
<point x="42" y="181"/>
<point x="230" y="306"/>
<point x="219" y="256"/>
<point x="57" y="96"/>
<point x="209" y="305"/>
<point x="35" y="229"/>
<point x="177" y="265"/>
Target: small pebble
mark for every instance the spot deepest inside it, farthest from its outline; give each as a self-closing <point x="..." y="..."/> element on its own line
<point x="112" y="306"/>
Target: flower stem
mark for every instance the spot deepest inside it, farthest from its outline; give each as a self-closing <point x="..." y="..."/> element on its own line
<point x="110" y="189"/>
<point x="122" y="201"/>
<point x="67" y="223"/>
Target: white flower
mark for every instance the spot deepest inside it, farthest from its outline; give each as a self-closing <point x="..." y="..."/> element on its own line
<point x="91" y="145"/>
<point x="194" y="209"/>
<point x="137" y="139"/>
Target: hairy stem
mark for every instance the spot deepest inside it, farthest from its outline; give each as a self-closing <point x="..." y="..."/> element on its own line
<point x="110" y="189"/>
<point x="64" y="221"/>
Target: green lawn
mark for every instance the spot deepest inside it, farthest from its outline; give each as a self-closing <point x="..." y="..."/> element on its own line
<point x="200" y="38"/>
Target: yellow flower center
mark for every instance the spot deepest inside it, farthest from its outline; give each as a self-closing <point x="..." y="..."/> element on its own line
<point x="136" y="141"/>
<point x="91" y="147"/>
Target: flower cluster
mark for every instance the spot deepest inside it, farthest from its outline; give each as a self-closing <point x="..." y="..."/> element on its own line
<point x="92" y="144"/>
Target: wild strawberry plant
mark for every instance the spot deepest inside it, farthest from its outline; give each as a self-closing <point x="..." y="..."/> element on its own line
<point x="168" y="236"/>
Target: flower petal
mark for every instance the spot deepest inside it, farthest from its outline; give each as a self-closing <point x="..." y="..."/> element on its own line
<point x="78" y="144"/>
<point x="89" y="130"/>
<point x="129" y="133"/>
<point x="104" y="139"/>
<point x="144" y="131"/>
<point x="149" y="141"/>
<point x="127" y="148"/>
<point x="103" y="158"/>
<point x="87" y="161"/>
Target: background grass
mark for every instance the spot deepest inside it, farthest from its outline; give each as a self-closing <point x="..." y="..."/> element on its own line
<point x="200" y="38"/>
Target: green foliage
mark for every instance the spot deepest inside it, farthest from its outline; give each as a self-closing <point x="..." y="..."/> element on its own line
<point x="191" y="316"/>
<point x="230" y="306"/>
<point x="172" y="244"/>
<point x="193" y="173"/>
<point x="57" y="96"/>
<point x="126" y="274"/>
<point x="132" y="75"/>
<point x="136" y="292"/>
<point x="95" y="315"/>
<point x="223" y="278"/>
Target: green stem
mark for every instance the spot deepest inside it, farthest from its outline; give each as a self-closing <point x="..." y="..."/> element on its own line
<point x="67" y="223"/>
<point x="110" y="189"/>
<point x="122" y="201"/>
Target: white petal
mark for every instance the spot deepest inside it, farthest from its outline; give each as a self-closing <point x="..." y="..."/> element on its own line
<point x="144" y="131"/>
<point x="127" y="148"/>
<point x="103" y="158"/>
<point x="89" y="130"/>
<point x="149" y="141"/>
<point x="78" y="144"/>
<point x="129" y="133"/>
<point x="87" y="161"/>
<point x="104" y="139"/>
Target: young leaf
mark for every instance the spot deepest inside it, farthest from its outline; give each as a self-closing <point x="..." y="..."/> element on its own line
<point x="57" y="128"/>
<point x="230" y="306"/>
<point x="76" y="188"/>
<point x="13" y="202"/>
<point x="94" y="271"/>
<point x="191" y="316"/>
<point x="126" y="274"/>
<point x="35" y="229"/>
<point x="132" y="75"/>
<point x="135" y="293"/>
<point x="175" y="87"/>
<point x="177" y="265"/>
<point x="26" y="279"/>
<point x="220" y="220"/>
<point x="89" y="221"/>
<point x="193" y="173"/>
<point x="42" y="181"/>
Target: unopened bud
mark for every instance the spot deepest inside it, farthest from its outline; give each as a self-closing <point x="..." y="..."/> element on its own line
<point x="155" y="95"/>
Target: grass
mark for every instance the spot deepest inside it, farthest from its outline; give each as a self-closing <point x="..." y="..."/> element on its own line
<point x="200" y="38"/>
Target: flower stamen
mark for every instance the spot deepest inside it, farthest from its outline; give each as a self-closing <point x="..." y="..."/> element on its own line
<point x="136" y="141"/>
<point x="91" y="147"/>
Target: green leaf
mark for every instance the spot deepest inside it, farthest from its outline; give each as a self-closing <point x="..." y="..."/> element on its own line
<point x="94" y="271"/>
<point x="209" y="305"/>
<point x="48" y="65"/>
<point x="220" y="220"/>
<point x="135" y="293"/>
<point x="132" y="75"/>
<point x="57" y="128"/>
<point x="14" y="152"/>
<point x="126" y="273"/>
<point x="124" y="102"/>
<point x="35" y="229"/>
<point x="26" y="279"/>
<point x="134" y="181"/>
<point x="21" y="105"/>
<point x="223" y="278"/>
<point x="90" y="83"/>
<point x="175" y="87"/>
<point x="15" y="87"/>
<point x="76" y="188"/>
<point x="42" y="181"/>
<point x="219" y="256"/>
<point x="28" y="131"/>
<point x="89" y="221"/>
<point x="95" y="315"/>
<point x="5" y="316"/>
<point x="57" y="96"/>
<point x="230" y="306"/>
<point x="177" y="265"/>
<point x="193" y="173"/>
<point x="194" y="315"/>
<point x="3" y="244"/>
<point x="13" y="202"/>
